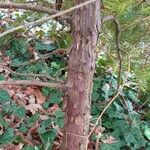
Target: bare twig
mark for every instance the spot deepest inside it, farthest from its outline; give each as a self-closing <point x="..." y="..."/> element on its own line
<point x="33" y="82"/>
<point x="148" y="100"/>
<point x="117" y="40"/>
<point x="32" y="7"/>
<point x="43" y="20"/>
<point x="43" y="57"/>
<point x="31" y="74"/>
<point x="108" y="18"/>
<point x="37" y="8"/>
<point x="97" y="141"/>
<point x="119" y="87"/>
<point x="100" y="116"/>
<point x="147" y="2"/>
<point x="135" y="22"/>
<point x="112" y="17"/>
<point x="60" y="71"/>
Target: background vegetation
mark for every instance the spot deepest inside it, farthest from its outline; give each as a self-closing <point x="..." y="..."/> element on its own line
<point x="31" y="117"/>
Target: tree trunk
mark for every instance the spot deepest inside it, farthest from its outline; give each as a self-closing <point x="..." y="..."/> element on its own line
<point x="86" y="26"/>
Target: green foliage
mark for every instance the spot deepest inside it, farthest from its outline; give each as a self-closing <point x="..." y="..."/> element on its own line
<point x="4" y="96"/>
<point x="7" y="137"/>
<point x="109" y="147"/>
<point x="127" y="120"/>
<point x="40" y="46"/>
<point x="122" y="119"/>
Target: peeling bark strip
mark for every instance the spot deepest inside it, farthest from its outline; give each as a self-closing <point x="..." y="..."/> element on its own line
<point x="86" y="26"/>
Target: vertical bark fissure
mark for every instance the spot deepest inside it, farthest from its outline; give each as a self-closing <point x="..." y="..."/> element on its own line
<point x="86" y="26"/>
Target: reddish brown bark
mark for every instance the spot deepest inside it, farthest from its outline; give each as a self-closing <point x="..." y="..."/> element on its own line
<point x="86" y="26"/>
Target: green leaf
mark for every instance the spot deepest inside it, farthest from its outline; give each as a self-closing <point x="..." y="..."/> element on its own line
<point x="132" y="95"/>
<point x="46" y="104"/>
<point x="49" y="136"/>
<point x="41" y="130"/>
<point x="60" y="122"/>
<point x="23" y="128"/>
<point x="28" y="147"/>
<point x="33" y="119"/>
<point x="109" y="147"/>
<point x="43" y="46"/>
<point x="95" y="96"/>
<point x="95" y="109"/>
<point x="59" y="113"/>
<point x="129" y="138"/>
<point x="55" y="97"/>
<point x="44" y="125"/>
<point x="4" y="96"/>
<point x="19" y="111"/>
<point x="105" y="89"/>
<point x="46" y="91"/>
<point x="19" y="45"/>
<point x="8" y="137"/>
<point x="7" y="107"/>
<point x="129" y="106"/>
<point x="147" y="132"/>
<point x="2" y="77"/>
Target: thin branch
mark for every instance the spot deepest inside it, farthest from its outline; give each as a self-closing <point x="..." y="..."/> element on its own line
<point x="129" y="60"/>
<point x="148" y="100"/>
<point x="97" y="141"/>
<point x="135" y="22"/>
<point x="117" y="41"/>
<point x="60" y="71"/>
<point x="32" y="82"/>
<point x="100" y="116"/>
<point x="147" y="2"/>
<point x="112" y="17"/>
<point x="37" y="8"/>
<point x="119" y="87"/>
<point x="31" y="74"/>
<point x="43" y="20"/>
<point x="108" y="18"/>
<point x="32" y="7"/>
<point x="43" y="57"/>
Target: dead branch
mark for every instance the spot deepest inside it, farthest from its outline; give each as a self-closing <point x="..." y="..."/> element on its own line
<point x="117" y="42"/>
<point x="33" y="82"/>
<point x="43" y="57"/>
<point x="43" y="20"/>
<point x="119" y="87"/>
<point x="32" y="7"/>
<point x="104" y="110"/>
<point x="108" y="18"/>
<point x="37" y="8"/>
<point x="31" y="74"/>
<point x="126" y="27"/>
<point x="147" y="2"/>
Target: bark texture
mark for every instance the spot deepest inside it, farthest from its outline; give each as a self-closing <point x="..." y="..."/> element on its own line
<point x="86" y="27"/>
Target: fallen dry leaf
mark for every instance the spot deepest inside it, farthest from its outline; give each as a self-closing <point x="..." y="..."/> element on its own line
<point x="29" y="90"/>
<point x="40" y="98"/>
<point x="109" y="140"/>
<point x="13" y="147"/>
<point x="99" y="129"/>
<point x="32" y="99"/>
<point x="33" y="108"/>
<point x="54" y="108"/>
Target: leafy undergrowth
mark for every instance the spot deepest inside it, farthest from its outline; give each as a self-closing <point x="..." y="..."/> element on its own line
<point x="32" y="118"/>
<point x="126" y="124"/>
<point x="28" y="119"/>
